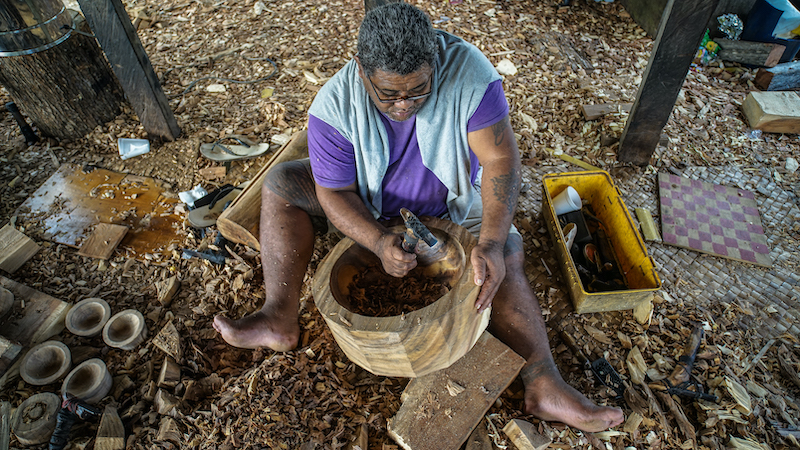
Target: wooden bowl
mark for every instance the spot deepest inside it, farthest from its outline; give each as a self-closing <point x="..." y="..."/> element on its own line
<point x="35" y="419"/>
<point x="88" y="317"/>
<point x="413" y="344"/>
<point x="90" y="381"/>
<point x="45" y="363"/>
<point x="125" y="330"/>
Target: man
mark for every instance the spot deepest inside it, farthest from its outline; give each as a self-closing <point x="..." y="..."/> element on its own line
<point x="408" y="123"/>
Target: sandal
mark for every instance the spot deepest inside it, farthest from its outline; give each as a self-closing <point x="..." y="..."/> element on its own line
<point x="209" y="208"/>
<point x="246" y="150"/>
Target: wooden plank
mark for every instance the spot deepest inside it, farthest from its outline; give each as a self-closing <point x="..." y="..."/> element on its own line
<point x="103" y="240"/>
<point x="782" y="77"/>
<point x="524" y="435"/>
<point x="114" y="31"/>
<point x="5" y="425"/>
<point x="680" y="32"/>
<point x="441" y="409"/>
<point x="239" y="222"/>
<point x="773" y="112"/>
<point x="42" y="316"/>
<point x="649" y="230"/>
<point x="212" y="173"/>
<point x="15" y="248"/>
<point x="593" y="112"/>
<point x="763" y="54"/>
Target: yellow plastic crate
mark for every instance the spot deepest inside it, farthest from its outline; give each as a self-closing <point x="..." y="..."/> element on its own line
<point x="597" y="189"/>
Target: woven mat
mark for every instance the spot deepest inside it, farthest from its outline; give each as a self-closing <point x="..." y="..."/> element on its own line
<point x="711" y="218"/>
<point x="770" y="297"/>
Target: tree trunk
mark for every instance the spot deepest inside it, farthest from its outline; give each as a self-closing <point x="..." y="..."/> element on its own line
<point x="66" y="90"/>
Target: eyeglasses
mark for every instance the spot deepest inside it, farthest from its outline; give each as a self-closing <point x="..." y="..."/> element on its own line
<point x="400" y="99"/>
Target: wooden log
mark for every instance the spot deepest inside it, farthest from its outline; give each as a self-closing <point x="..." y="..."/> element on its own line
<point x="593" y="112"/>
<point x="239" y="222"/>
<point x="524" y="435"/>
<point x="773" y="112"/>
<point x="682" y="27"/>
<point x="35" y="418"/>
<point x="114" y="31"/>
<point x="15" y="248"/>
<point x="762" y="54"/>
<point x="783" y="77"/>
<point x="441" y="409"/>
<point x="110" y="432"/>
<point x="410" y="345"/>
<point x="103" y="240"/>
<point x="66" y="90"/>
<point x="170" y="374"/>
<point x="5" y="425"/>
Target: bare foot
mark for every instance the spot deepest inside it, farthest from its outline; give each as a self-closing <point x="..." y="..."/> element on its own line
<point x="259" y="330"/>
<point x="550" y="398"/>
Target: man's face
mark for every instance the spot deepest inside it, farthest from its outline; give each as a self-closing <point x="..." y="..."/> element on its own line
<point x="398" y="96"/>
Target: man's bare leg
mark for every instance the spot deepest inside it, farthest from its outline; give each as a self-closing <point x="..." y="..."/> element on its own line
<point x="286" y="236"/>
<point x="517" y="321"/>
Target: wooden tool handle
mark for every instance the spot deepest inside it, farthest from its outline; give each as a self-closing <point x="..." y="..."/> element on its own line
<point x="683" y="369"/>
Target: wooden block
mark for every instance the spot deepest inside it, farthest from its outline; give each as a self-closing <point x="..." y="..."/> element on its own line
<point x="782" y="77"/>
<point x="524" y="435"/>
<point x="773" y="112"/>
<point x="593" y="112"/>
<point x="240" y="221"/>
<point x="441" y="409"/>
<point x="10" y="351"/>
<point x="649" y="230"/>
<point x="212" y="173"/>
<point x="753" y="53"/>
<point x="167" y="289"/>
<point x="15" y="248"/>
<point x="169" y="341"/>
<point x="110" y="432"/>
<point x="103" y="240"/>
<point x="170" y="374"/>
<point x="168" y="431"/>
<point x="5" y="425"/>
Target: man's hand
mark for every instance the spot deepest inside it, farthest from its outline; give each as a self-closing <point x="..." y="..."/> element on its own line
<point x="489" y="267"/>
<point x="396" y="261"/>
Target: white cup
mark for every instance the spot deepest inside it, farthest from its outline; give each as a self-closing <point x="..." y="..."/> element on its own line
<point x="567" y="201"/>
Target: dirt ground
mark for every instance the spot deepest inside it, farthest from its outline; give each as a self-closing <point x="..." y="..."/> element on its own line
<point x="314" y="397"/>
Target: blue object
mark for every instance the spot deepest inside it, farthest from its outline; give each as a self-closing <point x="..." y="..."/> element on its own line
<point x="760" y="27"/>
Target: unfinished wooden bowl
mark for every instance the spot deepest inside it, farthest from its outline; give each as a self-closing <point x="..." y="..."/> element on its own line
<point x="88" y="317"/>
<point x="90" y="381"/>
<point x="45" y="363"/>
<point x="35" y="419"/>
<point x="416" y="343"/>
<point x="125" y="330"/>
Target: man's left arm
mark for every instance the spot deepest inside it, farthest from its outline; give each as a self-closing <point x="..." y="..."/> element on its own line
<point x="496" y="149"/>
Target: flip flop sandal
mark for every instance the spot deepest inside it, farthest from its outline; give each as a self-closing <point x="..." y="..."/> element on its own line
<point x="208" y="208"/>
<point x="246" y="150"/>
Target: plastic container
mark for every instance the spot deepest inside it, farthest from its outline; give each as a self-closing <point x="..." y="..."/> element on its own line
<point x="597" y="189"/>
<point x="128" y="148"/>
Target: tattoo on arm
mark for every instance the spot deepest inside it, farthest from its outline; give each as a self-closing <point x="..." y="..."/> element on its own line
<point x="505" y="188"/>
<point x="498" y="130"/>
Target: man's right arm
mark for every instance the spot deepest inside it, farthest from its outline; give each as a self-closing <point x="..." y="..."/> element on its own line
<point x="347" y="212"/>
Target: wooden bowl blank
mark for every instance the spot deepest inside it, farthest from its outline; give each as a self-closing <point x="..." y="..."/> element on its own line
<point x="90" y="381"/>
<point x="45" y="363"/>
<point x="125" y="330"/>
<point x="411" y="345"/>
<point x="35" y="419"/>
<point x="88" y="317"/>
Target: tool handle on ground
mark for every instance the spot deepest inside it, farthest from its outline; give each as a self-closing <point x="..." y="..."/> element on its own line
<point x="27" y="131"/>
<point x="570" y="342"/>
<point x="683" y="369"/>
<point x="64" y="421"/>
<point x="686" y="393"/>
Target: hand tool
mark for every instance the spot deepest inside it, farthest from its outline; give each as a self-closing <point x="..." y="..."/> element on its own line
<point x="30" y="137"/>
<point x="601" y="368"/>
<point x="680" y="382"/>
<point x="72" y="409"/>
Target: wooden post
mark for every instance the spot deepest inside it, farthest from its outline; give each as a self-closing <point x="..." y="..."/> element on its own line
<point x="113" y="29"/>
<point x="680" y="32"/>
<point x="62" y="83"/>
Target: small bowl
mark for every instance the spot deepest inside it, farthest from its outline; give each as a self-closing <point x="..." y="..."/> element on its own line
<point x="45" y="363"/>
<point x="125" y="330"/>
<point x="88" y="317"/>
<point x="90" y="381"/>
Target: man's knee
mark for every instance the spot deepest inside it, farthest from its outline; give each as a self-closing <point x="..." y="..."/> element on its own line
<point x="292" y="181"/>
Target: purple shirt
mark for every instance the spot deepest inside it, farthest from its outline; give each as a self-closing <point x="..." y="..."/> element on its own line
<point x="407" y="183"/>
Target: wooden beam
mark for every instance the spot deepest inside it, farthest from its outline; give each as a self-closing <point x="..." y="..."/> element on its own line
<point x="773" y="112"/>
<point x="114" y="31"/>
<point x="783" y="77"/>
<point x="763" y="54"/>
<point x="441" y="409"/>
<point x="680" y="32"/>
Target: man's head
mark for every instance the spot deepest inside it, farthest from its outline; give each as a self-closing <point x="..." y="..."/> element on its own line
<point x="396" y="50"/>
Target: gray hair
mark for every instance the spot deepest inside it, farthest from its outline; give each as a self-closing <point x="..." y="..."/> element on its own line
<point x="396" y="38"/>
